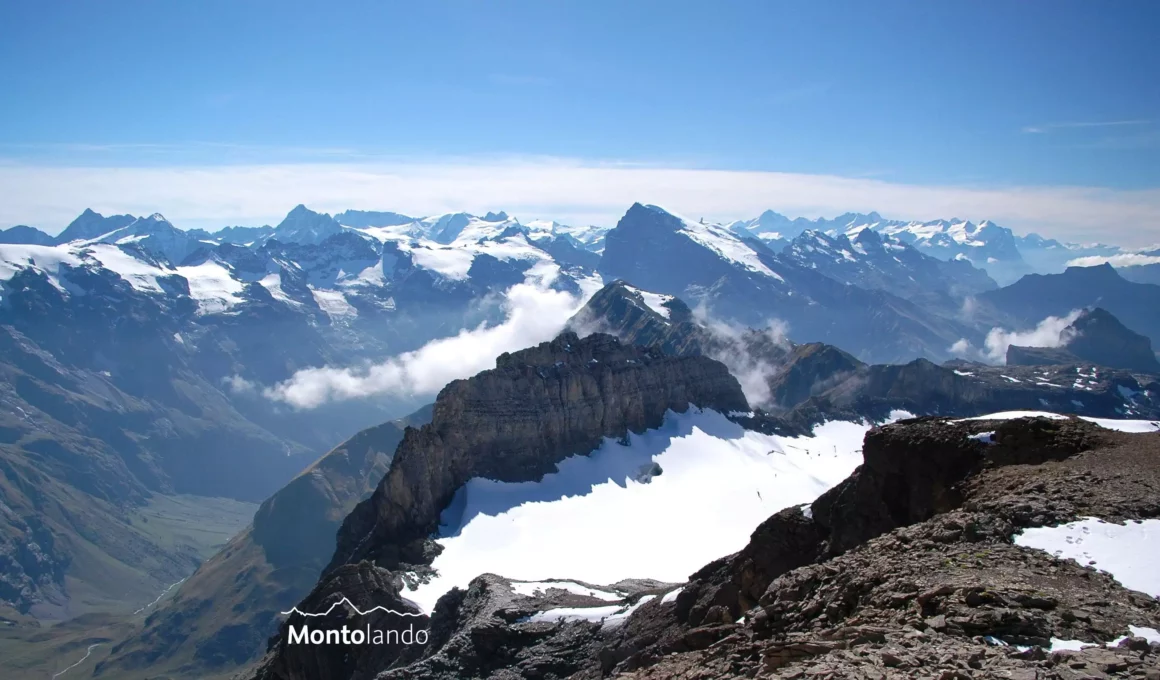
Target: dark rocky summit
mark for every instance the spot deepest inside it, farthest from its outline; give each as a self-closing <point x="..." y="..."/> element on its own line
<point x="1100" y="338"/>
<point x="657" y="251"/>
<point x="1036" y="296"/>
<point x="1095" y="337"/>
<point x="906" y="569"/>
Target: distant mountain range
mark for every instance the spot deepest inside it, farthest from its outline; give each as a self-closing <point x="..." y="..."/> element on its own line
<point x="998" y="250"/>
<point x="1004" y="255"/>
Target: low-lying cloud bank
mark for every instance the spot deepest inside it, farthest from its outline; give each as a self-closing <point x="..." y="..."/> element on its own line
<point x="534" y="314"/>
<point x="1122" y="260"/>
<point x="569" y="190"/>
<point x="1047" y="333"/>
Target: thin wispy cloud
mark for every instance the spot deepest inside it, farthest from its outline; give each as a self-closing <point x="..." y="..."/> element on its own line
<point x="1052" y="127"/>
<point x="518" y="80"/>
<point x="179" y="152"/>
<point x="585" y="192"/>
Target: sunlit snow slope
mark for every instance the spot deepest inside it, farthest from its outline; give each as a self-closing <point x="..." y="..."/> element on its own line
<point x="1110" y="423"/>
<point x="595" y="522"/>
<point x="1130" y="552"/>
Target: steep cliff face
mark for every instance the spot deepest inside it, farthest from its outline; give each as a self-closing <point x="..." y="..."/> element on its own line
<point x="515" y="422"/>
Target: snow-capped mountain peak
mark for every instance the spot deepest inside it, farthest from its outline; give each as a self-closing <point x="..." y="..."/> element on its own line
<point x="303" y="225"/>
<point x="718" y="239"/>
<point x="91" y="224"/>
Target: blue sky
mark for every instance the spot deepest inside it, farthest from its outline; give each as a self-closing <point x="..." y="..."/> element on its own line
<point x="995" y="96"/>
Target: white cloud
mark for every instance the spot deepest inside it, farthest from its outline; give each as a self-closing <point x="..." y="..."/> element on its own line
<point x="969" y="307"/>
<point x="1047" y="333"/>
<point x="1048" y="127"/>
<point x="962" y="348"/>
<point x="1122" y="260"/>
<point x="236" y="384"/>
<point x="572" y="191"/>
<point x="752" y="371"/>
<point x="534" y="313"/>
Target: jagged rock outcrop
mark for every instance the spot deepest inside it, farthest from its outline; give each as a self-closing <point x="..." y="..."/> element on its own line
<point x="620" y="310"/>
<point x="513" y="423"/>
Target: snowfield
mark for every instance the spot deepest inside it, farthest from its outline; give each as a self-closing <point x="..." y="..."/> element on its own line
<point x="612" y="515"/>
<point x="602" y="517"/>
<point x="1129" y="552"/>
<point x="1110" y="423"/>
<point x="48" y="259"/>
<point x="654" y="301"/>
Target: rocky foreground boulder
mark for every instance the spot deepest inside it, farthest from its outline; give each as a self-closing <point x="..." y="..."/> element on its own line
<point x="906" y="569"/>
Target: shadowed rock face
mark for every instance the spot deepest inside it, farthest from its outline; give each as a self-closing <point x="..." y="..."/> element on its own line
<point x="1100" y="338"/>
<point x="1018" y="355"/>
<point x="1096" y="336"/>
<point x="515" y="422"/>
<point x="1035" y="296"/>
